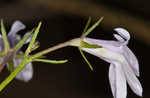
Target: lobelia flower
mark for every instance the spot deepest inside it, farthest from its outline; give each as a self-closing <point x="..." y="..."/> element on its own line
<point x="27" y="73"/>
<point x="124" y="65"/>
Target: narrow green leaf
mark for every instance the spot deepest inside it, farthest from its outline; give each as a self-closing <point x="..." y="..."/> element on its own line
<point x="33" y="40"/>
<point x="50" y="61"/>
<point x="22" y="41"/>
<point x="87" y="25"/>
<point x="85" y="59"/>
<point x="4" y="36"/>
<point x="13" y="74"/>
<point x="92" y="28"/>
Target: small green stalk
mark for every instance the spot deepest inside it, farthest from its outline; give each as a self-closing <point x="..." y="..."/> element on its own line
<point x="50" y="61"/>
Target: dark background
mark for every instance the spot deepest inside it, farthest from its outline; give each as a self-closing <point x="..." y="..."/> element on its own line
<point x="65" y="19"/>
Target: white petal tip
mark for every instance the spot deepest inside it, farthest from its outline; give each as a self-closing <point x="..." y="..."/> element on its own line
<point x="140" y="93"/>
<point x="19" y="24"/>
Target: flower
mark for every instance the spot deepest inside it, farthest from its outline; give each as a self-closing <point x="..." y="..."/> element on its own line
<point x="27" y="73"/>
<point x="124" y="66"/>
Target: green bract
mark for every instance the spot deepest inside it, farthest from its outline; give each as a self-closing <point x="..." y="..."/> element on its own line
<point x="87" y="31"/>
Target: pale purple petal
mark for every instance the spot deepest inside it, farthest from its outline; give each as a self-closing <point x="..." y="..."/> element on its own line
<point x="17" y="26"/>
<point x="28" y="40"/>
<point x="132" y="60"/>
<point x="27" y="72"/>
<point x="117" y="81"/>
<point x="112" y="78"/>
<point x="104" y="54"/>
<point x="101" y="42"/>
<point x="114" y="46"/>
<point x="118" y="37"/>
<point x="132" y="80"/>
<point x="123" y="32"/>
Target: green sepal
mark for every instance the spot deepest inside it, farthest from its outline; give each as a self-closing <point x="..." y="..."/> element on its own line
<point x="50" y="61"/>
<point x="91" y="28"/>
<point x="28" y="50"/>
<point x="4" y="37"/>
<point x="84" y="57"/>
<point x="86" y="26"/>
<point x="23" y="40"/>
<point x="87" y="45"/>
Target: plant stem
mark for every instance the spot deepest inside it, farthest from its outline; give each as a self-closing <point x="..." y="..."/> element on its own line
<point x="61" y="45"/>
<point x="13" y="74"/>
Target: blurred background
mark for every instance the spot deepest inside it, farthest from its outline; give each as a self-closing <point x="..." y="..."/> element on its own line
<point x="65" y="19"/>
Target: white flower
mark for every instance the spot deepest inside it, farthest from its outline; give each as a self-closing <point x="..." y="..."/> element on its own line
<point x="124" y="65"/>
<point x="27" y="73"/>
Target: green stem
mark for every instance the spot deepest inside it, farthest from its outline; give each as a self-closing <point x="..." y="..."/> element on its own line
<point x="13" y="74"/>
<point x="51" y="61"/>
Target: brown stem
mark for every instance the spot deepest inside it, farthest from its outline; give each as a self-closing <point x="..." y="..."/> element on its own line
<point x="61" y="45"/>
<point x="9" y="56"/>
